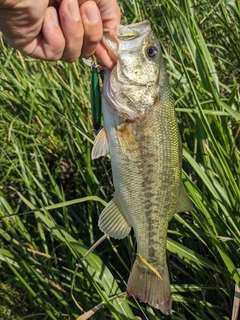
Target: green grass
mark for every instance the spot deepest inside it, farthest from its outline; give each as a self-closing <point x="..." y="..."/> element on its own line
<point x="51" y="192"/>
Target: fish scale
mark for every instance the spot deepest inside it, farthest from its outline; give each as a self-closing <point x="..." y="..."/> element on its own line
<point x="141" y="134"/>
<point x="156" y="186"/>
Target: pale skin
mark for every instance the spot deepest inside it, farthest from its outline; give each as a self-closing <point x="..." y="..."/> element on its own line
<point x="59" y="29"/>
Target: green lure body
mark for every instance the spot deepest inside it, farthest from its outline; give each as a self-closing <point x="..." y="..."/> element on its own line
<point x="96" y="103"/>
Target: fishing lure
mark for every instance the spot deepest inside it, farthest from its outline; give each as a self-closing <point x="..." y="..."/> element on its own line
<point x="96" y="103"/>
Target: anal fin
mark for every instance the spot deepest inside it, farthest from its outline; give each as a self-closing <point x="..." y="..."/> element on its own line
<point x="113" y="222"/>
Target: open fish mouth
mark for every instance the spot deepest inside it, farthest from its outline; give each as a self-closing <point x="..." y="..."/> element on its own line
<point x="125" y="34"/>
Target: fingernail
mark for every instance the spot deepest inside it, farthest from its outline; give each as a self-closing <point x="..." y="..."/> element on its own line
<point x="73" y="8"/>
<point x="92" y="14"/>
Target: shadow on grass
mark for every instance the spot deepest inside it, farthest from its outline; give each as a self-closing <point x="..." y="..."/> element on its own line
<point x="14" y="304"/>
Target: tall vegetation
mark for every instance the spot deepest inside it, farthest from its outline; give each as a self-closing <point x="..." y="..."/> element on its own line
<point x="51" y="192"/>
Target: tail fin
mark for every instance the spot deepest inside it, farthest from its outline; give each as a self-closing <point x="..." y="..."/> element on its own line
<point x="148" y="286"/>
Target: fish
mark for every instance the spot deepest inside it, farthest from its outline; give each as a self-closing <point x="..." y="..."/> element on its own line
<point x="141" y="135"/>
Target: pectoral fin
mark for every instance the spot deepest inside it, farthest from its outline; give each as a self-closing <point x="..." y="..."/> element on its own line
<point x="127" y="141"/>
<point x="113" y="222"/>
<point x="101" y="145"/>
<point x="184" y="202"/>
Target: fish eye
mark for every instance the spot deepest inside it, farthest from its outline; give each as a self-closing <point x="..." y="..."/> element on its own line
<point x="152" y="51"/>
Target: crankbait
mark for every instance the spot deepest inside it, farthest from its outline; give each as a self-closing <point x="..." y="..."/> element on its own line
<point x="96" y="102"/>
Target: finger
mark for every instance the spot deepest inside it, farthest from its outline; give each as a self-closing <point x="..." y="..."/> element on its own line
<point x="72" y="27"/>
<point x="103" y="56"/>
<point x="92" y="25"/>
<point x="109" y="11"/>
<point x="50" y="43"/>
<point x="111" y="16"/>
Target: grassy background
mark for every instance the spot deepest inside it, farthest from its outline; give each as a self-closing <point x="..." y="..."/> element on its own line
<point x="51" y="192"/>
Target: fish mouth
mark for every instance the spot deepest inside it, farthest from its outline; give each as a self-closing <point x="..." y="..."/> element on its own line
<point x="120" y="38"/>
<point x="110" y="41"/>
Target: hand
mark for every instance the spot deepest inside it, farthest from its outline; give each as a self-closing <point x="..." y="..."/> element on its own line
<point x="59" y="30"/>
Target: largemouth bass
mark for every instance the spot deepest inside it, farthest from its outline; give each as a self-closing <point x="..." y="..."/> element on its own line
<point x="142" y="137"/>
